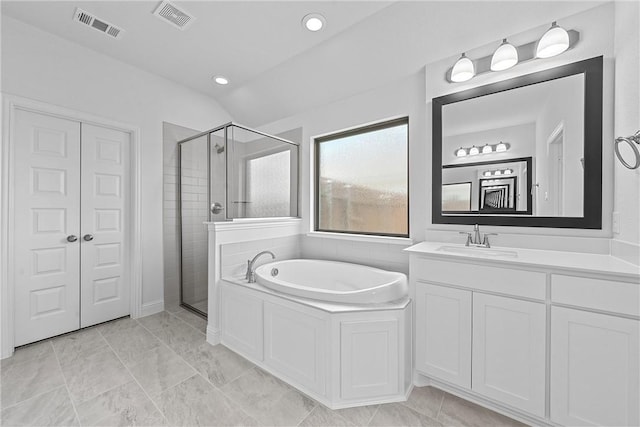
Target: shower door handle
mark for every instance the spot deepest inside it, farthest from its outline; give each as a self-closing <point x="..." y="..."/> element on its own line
<point x="216" y="208"/>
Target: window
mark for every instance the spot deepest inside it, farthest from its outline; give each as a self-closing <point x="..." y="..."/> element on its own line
<point x="361" y="182"/>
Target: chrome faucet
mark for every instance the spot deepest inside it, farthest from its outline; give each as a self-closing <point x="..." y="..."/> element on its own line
<point x="251" y="274"/>
<point x="477" y="239"/>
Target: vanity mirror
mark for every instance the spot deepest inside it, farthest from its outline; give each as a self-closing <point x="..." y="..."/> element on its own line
<point x="523" y="152"/>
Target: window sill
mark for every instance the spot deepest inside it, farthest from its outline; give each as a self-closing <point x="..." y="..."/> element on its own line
<point x="405" y="241"/>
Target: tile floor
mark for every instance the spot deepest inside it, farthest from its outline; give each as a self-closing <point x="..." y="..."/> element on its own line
<point x="159" y="370"/>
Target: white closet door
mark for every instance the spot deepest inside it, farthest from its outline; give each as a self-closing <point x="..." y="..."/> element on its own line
<point x="46" y="214"/>
<point x="105" y="229"/>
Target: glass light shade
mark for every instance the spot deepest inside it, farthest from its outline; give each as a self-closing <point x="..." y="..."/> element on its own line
<point x="497" y="173"/>
<point x="505" y="57"/>
<point x="507" y="172"/>
<point x="461" y="152"/>
<point x="553" y="42"/>
<point x="486" y="173"/>
<point x="473" y="151"/>
<point x="463" y="70"/>
<point x="487" y="149"/>
<point x="501" y="147"/>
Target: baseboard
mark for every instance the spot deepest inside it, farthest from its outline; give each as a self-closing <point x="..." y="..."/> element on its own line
<point x="152" y="308"/>
<point x="213" y="335"/>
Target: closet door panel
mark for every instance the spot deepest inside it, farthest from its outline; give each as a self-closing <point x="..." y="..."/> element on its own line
<point x="45" y="215"/>
<point x="105" y="224"/>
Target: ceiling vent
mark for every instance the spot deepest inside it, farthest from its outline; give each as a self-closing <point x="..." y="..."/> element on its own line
<point x="98" y="24"/>
<point x="172" y="14"/>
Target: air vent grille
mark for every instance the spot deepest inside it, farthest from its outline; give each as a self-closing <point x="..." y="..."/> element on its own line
<point x="86" y="18"/>
<point x="177" y="17"/>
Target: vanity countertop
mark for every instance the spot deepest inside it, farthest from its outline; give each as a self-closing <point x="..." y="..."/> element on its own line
<point x="557" y="260"/>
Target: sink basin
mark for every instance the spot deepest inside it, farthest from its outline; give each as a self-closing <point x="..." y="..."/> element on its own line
<point x="478" y="251"/>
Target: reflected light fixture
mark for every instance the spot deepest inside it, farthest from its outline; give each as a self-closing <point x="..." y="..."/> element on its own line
<point x="486" y="173"/>
<point x="463" y="70"/>
<point x="473" y="151"/>
<point x="314" y="22"/>
<point x="221" y="80"/>
<point x="461" y="152"/>
<point x="501" y="147"/>
<point x="505" y="56"/>
<point x="487" y="149"/>
<point x="497" y="173"/>
<point x="553" y="42"/>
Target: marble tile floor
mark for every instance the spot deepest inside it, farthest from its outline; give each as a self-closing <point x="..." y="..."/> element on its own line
<point x="160" y="371"/>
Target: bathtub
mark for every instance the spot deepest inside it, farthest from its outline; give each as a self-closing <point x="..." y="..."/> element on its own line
<point x="333" y="281"/>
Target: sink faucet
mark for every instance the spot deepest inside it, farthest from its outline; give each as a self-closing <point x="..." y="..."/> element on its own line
<point x="251" y="274"/>
<point x="477" y="239"/>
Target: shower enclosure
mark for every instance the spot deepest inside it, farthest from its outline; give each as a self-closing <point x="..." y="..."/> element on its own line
<point x="228" y="173"/>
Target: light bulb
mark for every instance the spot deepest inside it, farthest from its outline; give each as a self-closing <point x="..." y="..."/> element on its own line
<point x="505" y="57"/>
<point x="313" y="22"/>
<point x="553" y="42"/>
<point x="463" y="70"/>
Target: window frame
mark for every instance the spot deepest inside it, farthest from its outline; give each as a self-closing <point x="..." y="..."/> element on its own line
<point x="359" y="130"/>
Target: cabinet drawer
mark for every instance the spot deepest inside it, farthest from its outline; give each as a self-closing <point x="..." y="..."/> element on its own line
<point x="616" y="297"/>
<point x="528" y="284"/>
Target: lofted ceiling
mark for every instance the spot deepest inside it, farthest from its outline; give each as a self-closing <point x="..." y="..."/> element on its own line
<point x="275" y="67"/>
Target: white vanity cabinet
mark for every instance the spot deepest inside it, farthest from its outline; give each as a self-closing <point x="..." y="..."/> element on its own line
<point x="443" y="333"/>
<point x="509" y="351"/>
<point x="550" y="338"/>
<point x="595" y="356"/>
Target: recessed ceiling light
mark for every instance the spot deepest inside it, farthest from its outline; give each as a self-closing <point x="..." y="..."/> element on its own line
<point x="221" y="80"/>
<point x="313" y="22"/>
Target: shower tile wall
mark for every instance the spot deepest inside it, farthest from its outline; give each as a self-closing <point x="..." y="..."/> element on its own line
<point x="171" y="134"/>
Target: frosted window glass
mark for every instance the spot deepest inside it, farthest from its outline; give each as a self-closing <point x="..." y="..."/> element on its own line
<point x="363" y="182"/>
<point x="269" y="183"/>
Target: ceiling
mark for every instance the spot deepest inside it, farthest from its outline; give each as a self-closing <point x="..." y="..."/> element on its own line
<point x="278" y="69"/>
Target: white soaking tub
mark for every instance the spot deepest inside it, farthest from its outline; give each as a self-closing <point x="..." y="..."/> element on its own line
<point x="333" y="281"/>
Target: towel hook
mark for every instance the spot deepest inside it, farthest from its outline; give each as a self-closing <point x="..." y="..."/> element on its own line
<point x="633" y="142"/>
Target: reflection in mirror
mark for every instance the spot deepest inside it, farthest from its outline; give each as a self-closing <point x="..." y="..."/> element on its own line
<point x="465" y="186"/>
<point x="548" y="126"/>
<point x="553" y="118"/>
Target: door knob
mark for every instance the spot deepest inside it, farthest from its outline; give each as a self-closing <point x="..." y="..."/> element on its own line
<point x="216" y="208"/>
<point x="71" y="238"/>
<point x="88" y="237"/>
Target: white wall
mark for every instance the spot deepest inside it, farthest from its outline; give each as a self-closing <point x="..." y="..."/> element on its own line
<point x="626" y="243"/>
<point x="46" y="68"/>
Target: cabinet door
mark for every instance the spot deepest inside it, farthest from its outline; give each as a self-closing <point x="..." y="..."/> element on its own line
<point x="295" y="344"/>
<point x="443" y="333"/>
<point x="241" y="321"/>
<point x="594" y="369"/>
<point x="509" y="351"/>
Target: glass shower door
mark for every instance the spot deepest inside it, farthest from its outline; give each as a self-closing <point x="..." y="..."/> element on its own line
<point x="194" y="211"/>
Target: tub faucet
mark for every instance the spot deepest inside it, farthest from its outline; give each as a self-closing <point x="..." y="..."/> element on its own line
<point x="251" y="274"/>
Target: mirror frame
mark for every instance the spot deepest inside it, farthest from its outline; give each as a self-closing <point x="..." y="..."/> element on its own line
<point x="593" y="108"/>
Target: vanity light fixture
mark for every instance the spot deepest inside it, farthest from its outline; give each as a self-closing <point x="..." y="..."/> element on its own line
<point x="313" y="22"/>
<point x="553" y="42"/>
<point x="463" y="70"/>
<point x="486" y="149"/>
<point x="498" y="172"/>
<point x="221" y="80"/>
<point x="505" y="57"/>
